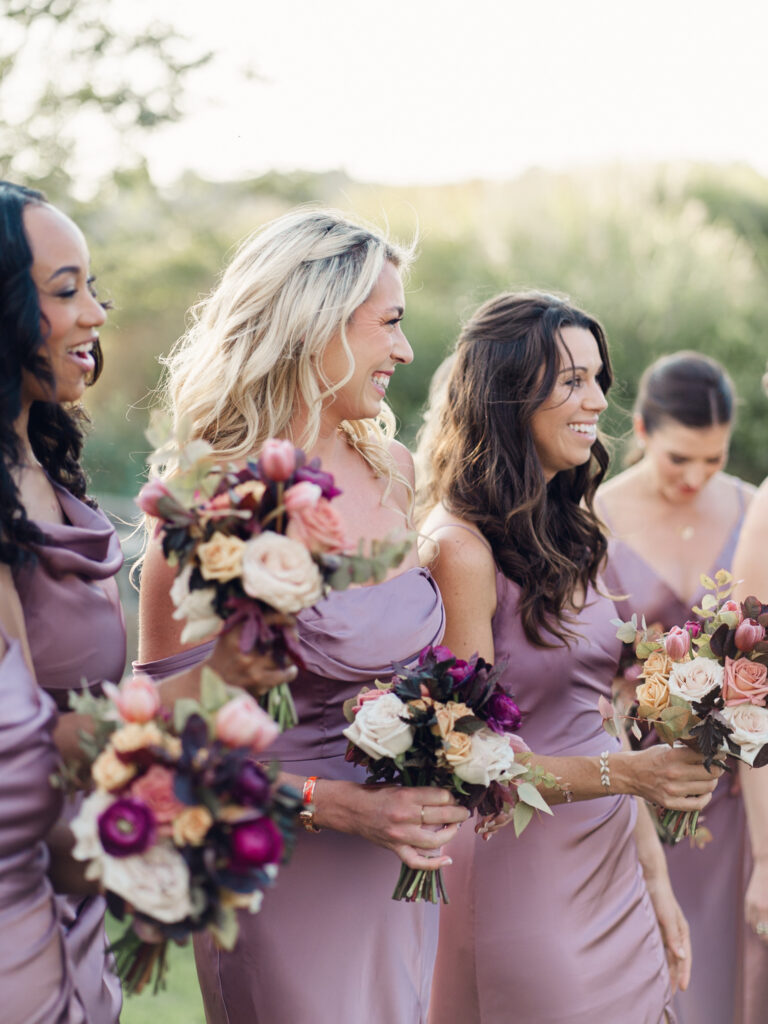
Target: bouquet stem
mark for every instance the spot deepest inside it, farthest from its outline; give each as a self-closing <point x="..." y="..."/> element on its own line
<point x="137" y="960"/>
<point x="420" y="886"/>
<point x="278" y="703"/>
<point x="673" y="826"/>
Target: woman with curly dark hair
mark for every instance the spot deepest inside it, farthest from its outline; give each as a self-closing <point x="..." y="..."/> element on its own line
<point x="61" y="625"/>
<point x="557" y="925"/>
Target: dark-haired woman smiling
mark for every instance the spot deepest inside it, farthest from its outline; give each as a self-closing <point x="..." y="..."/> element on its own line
<point x="558" y="925"/>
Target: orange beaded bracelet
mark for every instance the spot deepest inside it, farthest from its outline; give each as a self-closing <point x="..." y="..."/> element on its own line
<point x="307" y="813"/>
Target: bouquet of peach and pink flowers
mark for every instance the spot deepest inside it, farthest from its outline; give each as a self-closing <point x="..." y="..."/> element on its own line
<point x="704" y="683"/>
<point x="183" y="824"/>
<point x="253" y="546"/>
<point x="448" y="723"/>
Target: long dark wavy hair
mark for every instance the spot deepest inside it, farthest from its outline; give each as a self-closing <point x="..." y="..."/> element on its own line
<point x="477" y="455"/>
<point x="55" y="431"/>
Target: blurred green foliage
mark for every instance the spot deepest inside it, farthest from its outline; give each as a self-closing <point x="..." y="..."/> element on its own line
<point x="667" y="257"/>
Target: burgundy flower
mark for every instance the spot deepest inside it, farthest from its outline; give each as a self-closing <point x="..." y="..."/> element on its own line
<point x="126" y="827"/>
<point x="313" y="475"/>
<point x="255" y="844"/>
<point x="694" y="628"/>
<point x="252" y="786"/>
<point x="503" y="714"/>
<point x="461" y="671"/>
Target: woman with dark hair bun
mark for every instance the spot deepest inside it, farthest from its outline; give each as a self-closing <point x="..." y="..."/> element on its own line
<point x="61" y="625"/>
<point x="673" y="515"/>
<point x="558" y="926"/>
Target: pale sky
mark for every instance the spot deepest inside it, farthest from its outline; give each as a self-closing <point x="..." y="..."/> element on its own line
<point x="423" y="91"/>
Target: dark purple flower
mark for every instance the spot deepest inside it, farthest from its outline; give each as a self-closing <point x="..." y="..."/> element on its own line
<point x="252" y="786"/>
<point x="461" y="671"/>
<point x="255" y="844"/>
<point x="439" y="653"/>
<point x="126" y="827"/>
<point x="694" y="628"/>
<point x="503" y="715"/>
<point x="311" y="473"/>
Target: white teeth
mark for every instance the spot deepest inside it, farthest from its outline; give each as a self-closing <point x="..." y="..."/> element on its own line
<point x="85" y="349"/>
<point x="382" y="379"/>
<point x="590" y="429"/>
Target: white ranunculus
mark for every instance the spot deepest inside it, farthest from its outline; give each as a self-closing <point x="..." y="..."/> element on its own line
<point x="750" y="728"/>
<point x="490" y="759"/>
<point x="195" y="608"/>
<point x="693" y="680"/>
<point x="155" y="882"/>
<point x="378" y="729"/>
<point x="85" y="829"/>
<point x="280" y="572"/>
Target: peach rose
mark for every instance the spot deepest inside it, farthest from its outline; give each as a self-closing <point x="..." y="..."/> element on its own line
<point x="221" y="558"/>
<point x="136" y="699"/>
<point x="155" y="788"/>
<point x="653" y="693"/>
<point x="318" y="527"/>
<point x="109" y="772"/>
<point x="457" y="747"/>
<point x="136" y="736"/>
<point x="657" y="663"/>
<point x="447" y="715"/>
<point x="192" y="825"/>
<point x="744" y="682"/>
<point x="281" y="573"/>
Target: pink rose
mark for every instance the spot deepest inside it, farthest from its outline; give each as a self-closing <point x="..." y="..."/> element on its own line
<point x="155" y="789"/>
<point x="137" y="699"/>
<point x="748" y="633"/>
<point x="744" y="682"/>
<point x="242" y="723"/>
<point x="151" y="497"/>
<point x="677" y="643"/>
<point x="278" y="459"/>
<point x="319" y="528"/>
<point x="301" y="496"/>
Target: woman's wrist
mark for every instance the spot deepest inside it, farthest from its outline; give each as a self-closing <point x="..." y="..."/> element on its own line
<point x="618" y="774"/>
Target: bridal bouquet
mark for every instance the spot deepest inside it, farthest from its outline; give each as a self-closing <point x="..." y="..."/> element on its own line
<point x="705" y="683"/>
<point x="448" y="723"/>
<point x="183" y="824"/>
<point x="254" y="546"/>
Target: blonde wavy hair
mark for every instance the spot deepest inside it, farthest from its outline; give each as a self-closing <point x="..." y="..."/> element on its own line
<point x="254" y="348"/>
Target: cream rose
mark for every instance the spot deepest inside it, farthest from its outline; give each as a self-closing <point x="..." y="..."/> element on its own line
<point x="653" y="693"/>
<point x="694" y="679"/>
<point x="221" y="558"/>
<point x="491" y="757"/>
<point x="657" y="663"/>
<point x="85" y="829"/>
<point x="750" y="728"/>
<point x="281" y="573"/>
<point x="378" y="729"/>
<point x="195" y="608"/>
<point x="155" y="882"/>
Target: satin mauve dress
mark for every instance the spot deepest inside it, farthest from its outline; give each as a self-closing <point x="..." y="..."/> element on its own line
<point x="330" y="946"/>
<point x="556" y="926"/>
<point x="76" y="634"/>
<point x="729" y="979"/>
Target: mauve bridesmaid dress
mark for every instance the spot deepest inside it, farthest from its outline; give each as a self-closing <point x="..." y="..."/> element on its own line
<point x="330" y="946"/>
<point x="76" y="634"/>
<point x="554" y="927"/>
<point x="729" y="981"/>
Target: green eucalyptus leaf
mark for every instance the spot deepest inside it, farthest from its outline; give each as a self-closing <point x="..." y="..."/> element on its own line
<point x="707" y="582"/>
<point x="521" y="817"/>
<point x="213" y="690"/>
<point x="528" y="793"/>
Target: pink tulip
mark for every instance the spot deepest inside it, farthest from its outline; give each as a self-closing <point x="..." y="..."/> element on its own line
<point x="734" y="607"/>
<point x="242" y="723"/>
<point x="694" y="628"/>
<point x="677" y="643"/>
<point x="301" y="496"/>
<point x="278" y="459"/>
<point x="136" y="699"/>
<point x="150" y="496"/>
<point x="748" y="633"/>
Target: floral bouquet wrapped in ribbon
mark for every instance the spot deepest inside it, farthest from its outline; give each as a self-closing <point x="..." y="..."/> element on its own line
<point x="184" y="825"/>
<point x="254" y="546"/>
<point x="704" y="683"/>
<point x="446" y="723"/>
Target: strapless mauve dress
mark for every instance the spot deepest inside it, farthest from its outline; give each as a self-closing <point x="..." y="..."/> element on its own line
<point x="556" y="926"/>
<point x="330" y="946"/>
<point x="76" y="634"/>
<point x="729" y="980"/>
